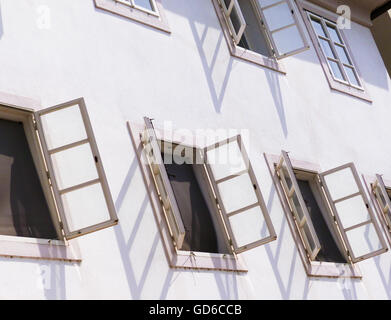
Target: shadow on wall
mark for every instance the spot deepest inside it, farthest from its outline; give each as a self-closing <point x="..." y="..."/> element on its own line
<point x="212" y="67"/>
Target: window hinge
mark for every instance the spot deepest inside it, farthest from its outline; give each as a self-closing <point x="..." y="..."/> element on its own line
<point x="35" y="125"/>
<point x="61" y="225"/>
<point x="217" y="201"/>
<point x="48" y="174"/>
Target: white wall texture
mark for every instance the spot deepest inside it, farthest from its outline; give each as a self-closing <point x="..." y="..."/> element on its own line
<point x="126" y="70"/>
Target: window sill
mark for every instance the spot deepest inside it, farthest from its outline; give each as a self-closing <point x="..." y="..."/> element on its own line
<point x="246" y="54"/>
<point x="176" y="258"/>
<point x="41" y="249"/>
<point x="333" y="270"/>
<point x="158" y="21"/>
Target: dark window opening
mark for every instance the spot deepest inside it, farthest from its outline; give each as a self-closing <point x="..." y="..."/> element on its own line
<point x="203" y="233"/>
<point x="253" y="38"/>
<point x="23" y="208"/>
<point x="329" y="251"/>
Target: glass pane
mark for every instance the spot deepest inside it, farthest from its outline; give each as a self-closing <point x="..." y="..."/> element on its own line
<point x="342" y="54"/>
<point x="352" y="212"/>
<point x="248" y="226"/>
<point x="237" y="193"/>
<point x="327" y="48"/>
<point x="85" y="207"/>
<point x="336" y="70"/>
<point x="144" y="4"/>
<point x="63" y="127"/>
<point x="226" y="160"/>
<point x="353" y="79"/>
<point x="334" y="34"/>
<point x="278" y="16"/>
<point x="318" y="28"/>
<point x="266" y="3"/>
<point x="364" y="240"/>
<point x="288" y="40"/>
<point x="74" y="166"/>
<point x="341" y="183"/>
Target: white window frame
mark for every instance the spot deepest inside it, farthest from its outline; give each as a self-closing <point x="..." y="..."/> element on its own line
<point x="233" y="38"/>
<point x="313" y="268"/>
<point x="307" y="10"/>
<point x="178" y="258"/>
<point x="16" y="108"/>
<point x="129" y="9"/>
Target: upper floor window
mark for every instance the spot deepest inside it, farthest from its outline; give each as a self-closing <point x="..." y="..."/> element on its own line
<point x="261" y="30"/>
<point x="209" y="198"/>
<point x="333" y="50"/>
<point x="148" y="12"/>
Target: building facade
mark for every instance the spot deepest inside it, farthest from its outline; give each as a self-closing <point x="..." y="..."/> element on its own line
<point x="89" y="212"/>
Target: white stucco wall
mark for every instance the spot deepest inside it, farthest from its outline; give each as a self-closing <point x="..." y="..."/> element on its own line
<point x="126" y="70"/>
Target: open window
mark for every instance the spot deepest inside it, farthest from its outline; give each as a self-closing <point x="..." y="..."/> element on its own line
<point x="331" y="212"/>
<point x="148" y="12"/>
<point x="212" y="188"/>
<point x="53" y="187"/>
<point x="269" y="28"/>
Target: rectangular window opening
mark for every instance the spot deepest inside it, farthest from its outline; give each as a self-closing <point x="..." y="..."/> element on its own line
<point x="189" y="183"/>
<point x="24" y="211"/>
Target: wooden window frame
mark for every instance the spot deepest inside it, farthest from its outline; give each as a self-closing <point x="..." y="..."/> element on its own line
<point x="128" y="9"/>
<point x="369" y="183"/>
<point x="306" y="9"/>
<point x="312" y="268"/>
<point x="17" y="108"/>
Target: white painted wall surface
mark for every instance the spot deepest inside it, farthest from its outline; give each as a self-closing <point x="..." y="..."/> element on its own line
<point x="126" y="70"/>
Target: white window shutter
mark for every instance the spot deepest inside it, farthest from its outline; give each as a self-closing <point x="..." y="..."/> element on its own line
<point x="238" y="195"/>
<point x="75" y="169"/>
<point x="281" y="22"/>
<point x="354" y="216"/>
<point x="169" y="204"/>
<point x="297" y="205"/>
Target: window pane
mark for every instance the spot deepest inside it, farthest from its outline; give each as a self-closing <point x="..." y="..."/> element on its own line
<point x="334" y="34"/>
<point x="144" y="4"/>
<point x="341" y="183"/>
<point x="278" y="16"/>
<point x="248" y="226"/>
<point x="237" y="193"/>
<point x="63" y="127"/>
<point x="318" y="27"/>
<point x="353" y="79"/>
<point x="352" y="211"/>
<point x="336" y="70"/>
<point x="288" y="40"/>
<point x="342" y="54"/>
<point x="327" y="48"/>
<point x="364" y="240"/>
<point x="266" y="3"/>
